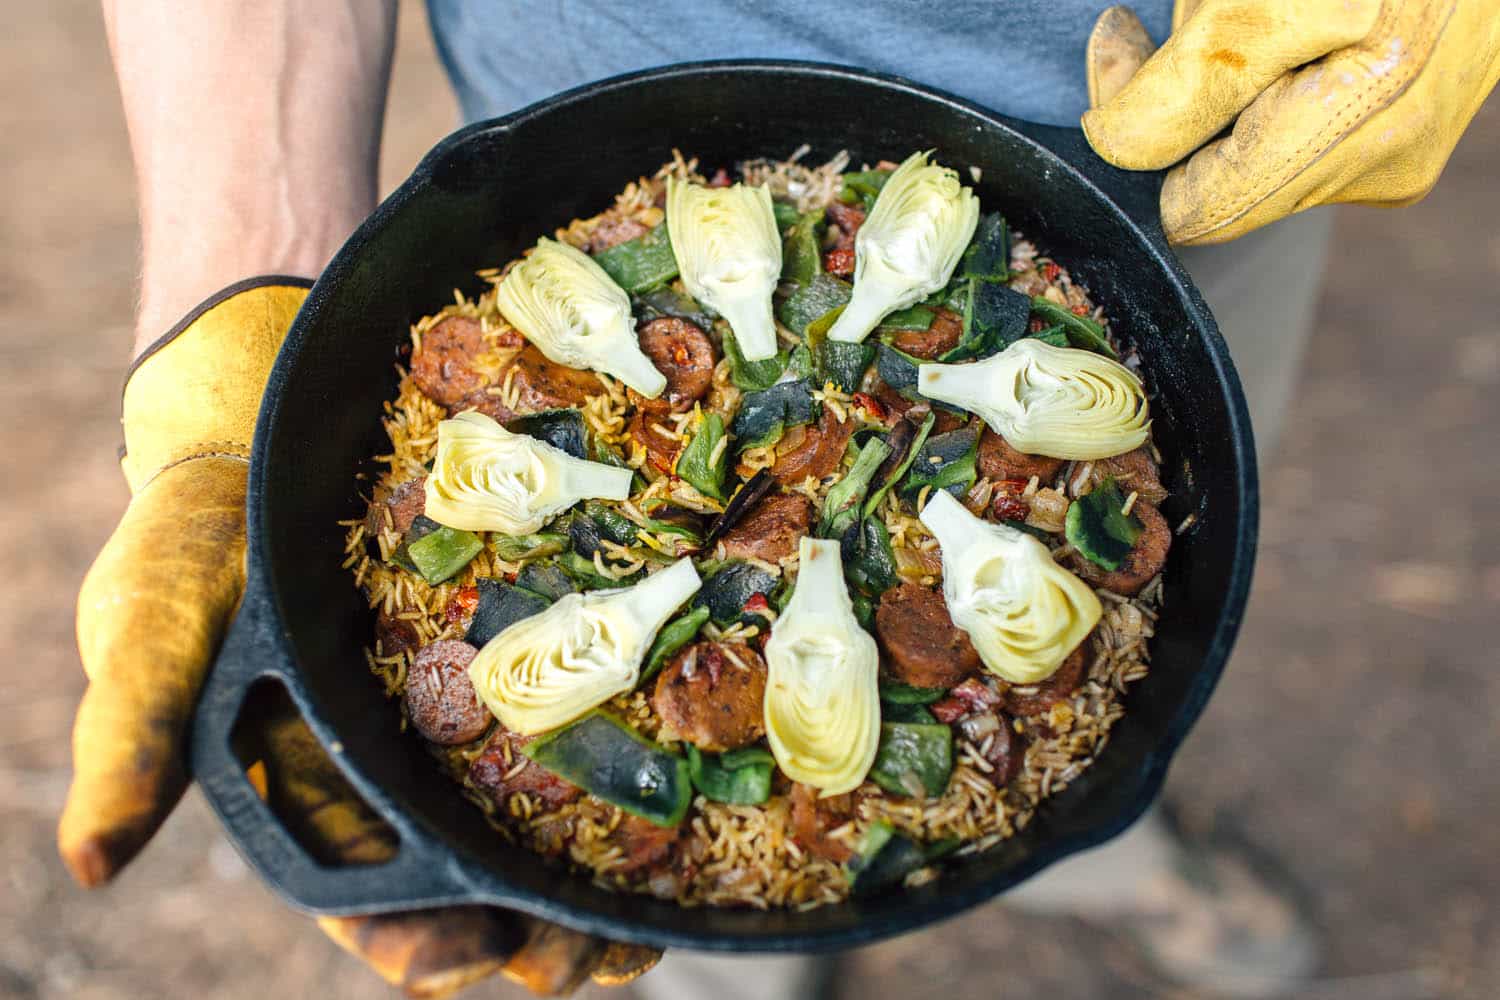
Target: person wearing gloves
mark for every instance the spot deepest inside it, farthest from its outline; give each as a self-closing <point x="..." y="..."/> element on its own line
<point x="255" y="128"/>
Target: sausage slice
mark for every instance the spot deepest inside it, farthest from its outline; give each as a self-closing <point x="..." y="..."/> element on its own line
<point x="501" y="770"/>
<point x="1035" y="699"/>
<point x="709" y="700"/>
<point x="541" y="384"/>
<point x="922" y="645"/>
<point x="393" y="635"/>
<point x="613" y="230"/>
<point x="998" y="460"/>
<point x="819" y="451"/>
<point x="813" y="818"/>
<point x="443" y="367"/>
<point x="661" y="449"/>
<point x="682" y="352"/>
<point x="405" y="503"/>
<point x="1141" y="563"/>
<point x="771" y="530"/>
<point x="1133" y="471"/>
<point x="440" y="701"/>
<point x="943" y="335"/>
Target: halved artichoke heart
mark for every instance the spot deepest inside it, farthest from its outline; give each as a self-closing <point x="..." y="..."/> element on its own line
<point x="549" y="669"/>
<point x="487" y="479"/>
<point x="1045" y="400"/>
<point x="1023" y="612"/>
<point x="822" y="704"/>
<point x="908" y="247"/>
<point x="565" y="304"/>
<point x="729" y="255"/>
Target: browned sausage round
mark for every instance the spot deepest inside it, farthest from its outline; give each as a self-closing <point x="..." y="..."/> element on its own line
<point x="614" y="229"/>
<point x="440" y="701"/>
<point x="1035" y="699"/>
<point x="1006" y="752"/>
<point x="683" y="353"/>
<point x="943" y="335"/>
<point x="661" y="450"/>
<point x="1133" y="471"/>
<point x="998" y="460"/>
<point x="922" y="646"/>
<point x="817" y="453"/>
<point x="443" y="366"/>
<point x="813" y="818"/>
<point x="546" y="385"/>
<point x="487" y="401"/>
<point x="1140" y="564"/>
<point x="771" y="530"/>
<point x="501" y="770"/>
<point x="848" y="218"/>
<point x="710" y="701"/>
<point x="405" y="503"/>
<point x="643" y="845"/>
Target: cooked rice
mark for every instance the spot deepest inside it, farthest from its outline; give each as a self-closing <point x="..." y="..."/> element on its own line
<point x="741" y="855"/>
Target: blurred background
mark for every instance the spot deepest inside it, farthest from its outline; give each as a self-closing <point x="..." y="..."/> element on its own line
<point x="1354" y="735"/>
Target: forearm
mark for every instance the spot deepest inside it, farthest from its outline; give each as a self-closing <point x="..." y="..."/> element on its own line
<point x="255" y="129"/>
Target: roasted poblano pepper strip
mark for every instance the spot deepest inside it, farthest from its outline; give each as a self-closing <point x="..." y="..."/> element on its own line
<point x="869" y="563"/>
<point x="443" y="552"/>
<point x="562" y="429"/>
<point x="1098" y="526"/>
<point x="584" y="573"/>
<point x="917" y="317"/>
<point x="615" y="526"/>
<point x="897" y="369"/>
<point x="764" y="416"/>
<point x="945" y="462"/>
<point x="994" y="317"/>
<point x="421" y="527"/>
<point x="988" y="256"/>
<point x="841" y="505"/>
<point x="800" y="260"/>
<point x="913" y="759"/>
<point x="883" y="858"/>
<point x="739" y="777"/>
<point x="546" y="578"/>
<point x="785" y="212"/>
<point x="864" y="610"/>
<point x="641" y="264"/>
<point x="863" y="186"/>
<point x="515" y="548"/>
<point x="613" y="762"/>
<point x="812" y="301"/>
<point x="669" y="302"/>
<point x="673" y="636"/>
<point x="894" y="712"/>
<point x="912" y="450"/>
<point x="702" y="462"/>
<point x="752" y="376"/>
<point x="501" y="606"/>
<point x="838" y="361"/>
<point x="1056" y="335"/>
<point x="905" y="694"/>
<point x="726" y="592"/>
<point x="1082" y="331"/>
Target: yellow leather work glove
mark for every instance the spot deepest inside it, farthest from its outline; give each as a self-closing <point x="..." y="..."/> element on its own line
<point x="151" y="613"/>
<point x="1331" y="101"/>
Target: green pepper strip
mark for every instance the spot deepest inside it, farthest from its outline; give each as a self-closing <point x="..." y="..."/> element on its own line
<point x="696" y="464"/>
<point x="841" y="505"/>
<point x="443" y="553"/>
<point x="611" y="761"/>
<point x="641" y="264"/>
<point x="913" y="756"/>
<point x="739" y="777"/>
<point x="673" y="636"/>
<point x="911" y="453"/>
<point x="1082" y="331"/>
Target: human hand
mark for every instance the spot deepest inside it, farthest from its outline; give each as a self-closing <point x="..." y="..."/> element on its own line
<point x="1331" y="101"/>
<point x="151" y="613"/>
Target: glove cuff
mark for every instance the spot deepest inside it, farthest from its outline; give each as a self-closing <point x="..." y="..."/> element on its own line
<point x="196" y="390"/>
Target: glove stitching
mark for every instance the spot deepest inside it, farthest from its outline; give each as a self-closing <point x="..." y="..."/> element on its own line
<point x="1374" y="94"/>
<point x="236" y="451"/>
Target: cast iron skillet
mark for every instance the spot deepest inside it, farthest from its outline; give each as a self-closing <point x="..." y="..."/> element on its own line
<point x="478" y="199"/>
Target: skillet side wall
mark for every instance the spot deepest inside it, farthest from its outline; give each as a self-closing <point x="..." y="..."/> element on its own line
<point x="484" y="196"/>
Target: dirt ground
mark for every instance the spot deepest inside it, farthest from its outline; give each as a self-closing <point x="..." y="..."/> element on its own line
<point x="1354" y="735"/>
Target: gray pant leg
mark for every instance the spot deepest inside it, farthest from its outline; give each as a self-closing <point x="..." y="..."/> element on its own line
<point x="1263" y="290"/>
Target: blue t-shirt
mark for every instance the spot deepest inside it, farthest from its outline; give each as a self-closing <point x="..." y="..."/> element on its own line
<point x="1022" y="59"/>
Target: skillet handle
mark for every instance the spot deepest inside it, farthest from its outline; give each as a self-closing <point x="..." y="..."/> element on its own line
<point x="1137" y="193"/>
<point x="254" y="651"/>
